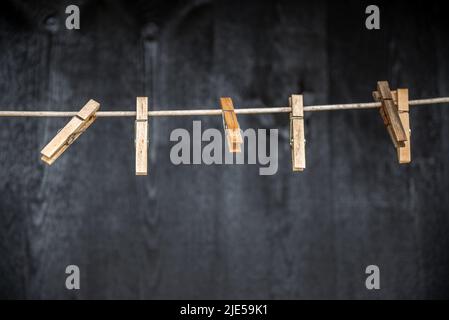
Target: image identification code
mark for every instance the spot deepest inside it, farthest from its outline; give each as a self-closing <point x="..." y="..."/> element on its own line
<point x="227" y="310"/>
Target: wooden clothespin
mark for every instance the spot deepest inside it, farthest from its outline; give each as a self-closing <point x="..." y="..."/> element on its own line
<point x="395" y="114"/>
<point x="72" y="130"/>
<point x="141" y="136"/>
<point x="232" y="128"/>
<point x="297" y="136"/>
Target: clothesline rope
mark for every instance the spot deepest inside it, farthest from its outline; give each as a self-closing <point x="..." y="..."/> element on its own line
<point x="218" y="112"/>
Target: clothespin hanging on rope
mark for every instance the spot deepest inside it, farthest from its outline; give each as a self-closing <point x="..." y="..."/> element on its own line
<point x="141" y="136"/>
<point x="395" y="114"/>
<point x="72" y="130"/>
<point x="297" y="135"/>
<point x="231" y="126"/>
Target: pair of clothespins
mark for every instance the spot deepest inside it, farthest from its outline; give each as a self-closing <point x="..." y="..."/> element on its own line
<point x="297" y="138"/>
<point x="85" y="117"/>
<point x="395" y="114"/>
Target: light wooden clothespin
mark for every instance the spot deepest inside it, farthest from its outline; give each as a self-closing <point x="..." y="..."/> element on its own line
<point x="297" y="135"/>
<point x="231" y="125"/>
<point x="72" y="130"/>
<point x="141" y="136"/>
<point x="395" y="114"/>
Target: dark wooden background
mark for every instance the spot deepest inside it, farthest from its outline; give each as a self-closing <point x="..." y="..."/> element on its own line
<point x="223" y="231"/>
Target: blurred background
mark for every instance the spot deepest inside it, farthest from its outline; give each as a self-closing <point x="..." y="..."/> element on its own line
<point x="223" y="232"/>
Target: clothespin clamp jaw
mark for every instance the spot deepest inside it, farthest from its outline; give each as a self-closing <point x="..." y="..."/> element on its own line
<point x="232" y="129"/>
<point x="395" y="115"/>
<point x="297" y="133"/>
<point x="72" y="130"/>
<point x="141" y="136"/>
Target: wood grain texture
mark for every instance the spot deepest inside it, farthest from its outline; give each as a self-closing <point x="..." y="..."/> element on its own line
<point x="232" y="128"/>
<point x="404" y="152"/>
<point x="401" y="104"/>
<point x="392" y="115"/>
<point x="297" y="133"/>
<point x="71" y="131"/>
<point x="141" y="136"/>
<point x="229" y="116"/>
